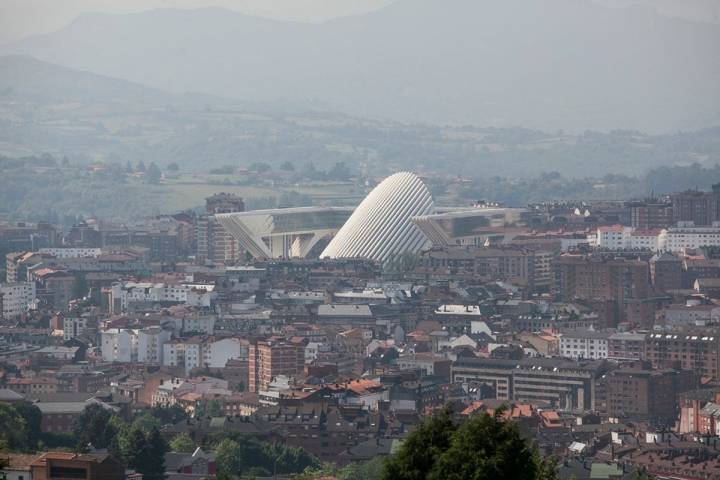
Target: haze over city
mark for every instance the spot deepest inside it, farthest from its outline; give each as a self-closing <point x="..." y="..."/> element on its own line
<point x="359" y="239"/>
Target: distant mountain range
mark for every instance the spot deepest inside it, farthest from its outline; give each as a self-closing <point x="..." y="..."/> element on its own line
<point x="29" y="79"/>
<point x="549" y="64"/>
<point x="47" y="108"/>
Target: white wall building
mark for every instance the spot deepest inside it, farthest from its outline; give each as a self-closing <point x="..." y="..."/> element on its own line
<point x="119" y="345"/>
<point x="197" y="323"/>
<point x="615" y="237"/>
<point x="150" y="344"/>
<point x="216" y="353"/>
<point x="72" y="252"/>
<point x="587" y="344"/>
<point x="645" y="240"/>
<point x="123" y="295"/>
<point x="184" y="353"/>
<point x="677" y="239"/>
<point x="197" y="352"/>
<point x="73" y="327"/>
<point x="17" y="298"/>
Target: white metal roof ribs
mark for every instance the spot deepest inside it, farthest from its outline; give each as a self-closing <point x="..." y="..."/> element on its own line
<point x="381" y="226"/>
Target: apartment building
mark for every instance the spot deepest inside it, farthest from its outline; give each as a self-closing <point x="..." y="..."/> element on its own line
<point x="270" y="358"/>
<point x="626" y="346"/>
<point x="565" y="384"/>
<point x="686" y="349"/>
<point x="17" y="298"/>
<point x="584" y="343"/>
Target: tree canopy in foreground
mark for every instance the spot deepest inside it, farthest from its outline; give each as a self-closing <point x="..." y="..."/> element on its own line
<point x="483" y="448"/>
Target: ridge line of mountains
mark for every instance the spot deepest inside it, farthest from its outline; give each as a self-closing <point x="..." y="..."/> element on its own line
<point x="545" y="64"/>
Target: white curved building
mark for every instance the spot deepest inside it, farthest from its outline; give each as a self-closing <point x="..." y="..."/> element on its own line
<point x="381" y="226"/>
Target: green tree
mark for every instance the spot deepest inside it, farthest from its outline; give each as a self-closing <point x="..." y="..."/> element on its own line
<point x="93" y="426"/>
<point x="13" y="429"/>
<point x="287" y="166"/>
<point x="182" y="444"/>
<point x="169" y="415"/>
<point x="285" y="459"/>
<point x="173" y="167"/>
<point x="144" y="452"/>
<point x="370" y="470"/>
<point x="421" y="449"/>
<point x="339" y="171"/>
<point x="228" y="459"/>
<point x="153" y="467"/>
<point x="32" y="416"/>
<point x="484" y="448"/>
<point x="259" y="167"/>
<point x="211" y="408"/>
<point x="132" y="446"/>
<point x="153" y="174"/>
<point x="146" y="422"/>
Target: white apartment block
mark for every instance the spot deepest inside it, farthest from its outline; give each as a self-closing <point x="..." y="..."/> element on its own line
<point x="123" y="295"/>
<point x="17" y="298"/>
<point x="150" y="344"/>
<point x="73" y="327"/>
<point x="72" y="252"/>
<point x="615" y="237"/>
<point x="197" y="323"/>
<point x="677" y="239"/>
<point x="197" y="352"/>
<point x="119" y="345"/>
<point x="587" y="344"/>
<point x="215" y="354"/>
<point x="645" y="240"/>
<point x="183" y="353"/>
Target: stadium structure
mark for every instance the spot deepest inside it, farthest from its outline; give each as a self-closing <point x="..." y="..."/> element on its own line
<point x="398" y="216"/>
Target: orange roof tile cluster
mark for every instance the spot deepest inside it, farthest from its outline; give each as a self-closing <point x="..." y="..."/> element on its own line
<point x="550" y="419"/>
<point x="513" y="410"/>
<point x="358" y="387"/>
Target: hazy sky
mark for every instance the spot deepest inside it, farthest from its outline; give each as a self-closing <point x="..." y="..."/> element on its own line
<point x="19" y="18"/>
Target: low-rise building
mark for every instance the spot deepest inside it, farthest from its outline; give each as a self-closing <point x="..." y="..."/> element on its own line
<point x="63" y="466"/>
<point x="426" y="363"/>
